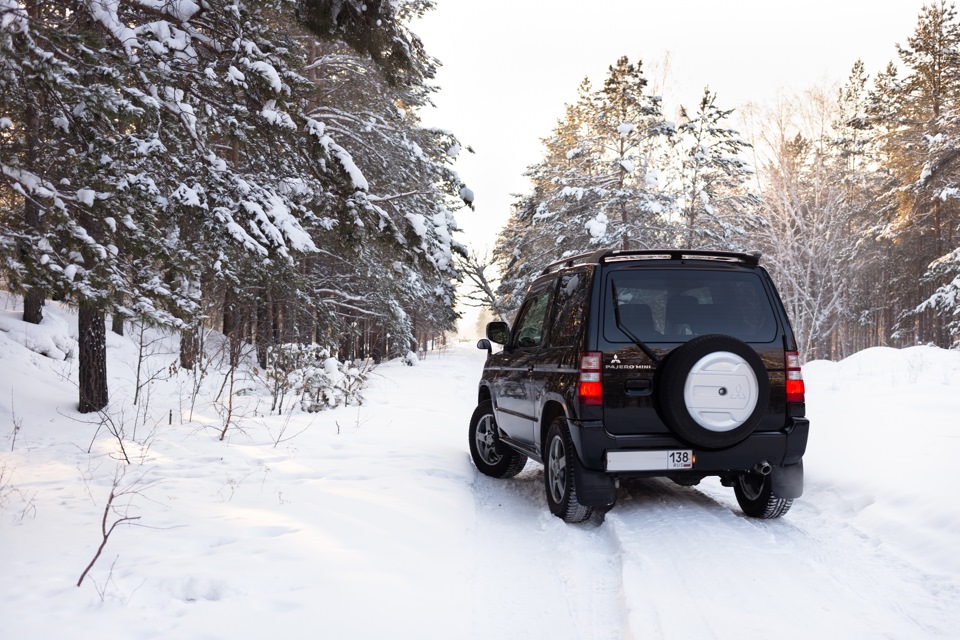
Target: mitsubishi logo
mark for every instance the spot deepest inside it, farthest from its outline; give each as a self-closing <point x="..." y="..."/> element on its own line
<point x="736" y="395"/>
<point x="616" y="359"/>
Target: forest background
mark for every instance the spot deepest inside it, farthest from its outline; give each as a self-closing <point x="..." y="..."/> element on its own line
<point x="261" y="168"/>
<point x="849" y="192"/>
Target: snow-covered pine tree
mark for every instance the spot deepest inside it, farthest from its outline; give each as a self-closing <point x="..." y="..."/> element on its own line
<point x="598" y="184"/>
<point x="915" y="114"/>
<point x="227" y="158"/>
<point x="389" y="267"/>
<point x="73" y="131"/>
<point x="630" y="133"/>
<point x="552" y="220"/>
<point x="181" y="163"/>
<point x="715" y="205"/>
<point x="864" y="266"/>
<point x="374" y="28"/>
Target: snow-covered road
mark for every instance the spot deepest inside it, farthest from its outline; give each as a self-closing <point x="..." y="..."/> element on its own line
<point x="677" y="562"/>
<point x="373" y="523"/>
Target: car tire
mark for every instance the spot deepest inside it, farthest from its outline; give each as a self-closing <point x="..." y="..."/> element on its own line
<point x="755" y="496"/>
<point x="711" y="362"/>
<point x="492" y="457"/>
<point x="560" y="465"/>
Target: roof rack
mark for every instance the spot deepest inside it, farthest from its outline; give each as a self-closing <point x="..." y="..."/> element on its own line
<point x="592" y="257"/>
<point x="751" y="258"/>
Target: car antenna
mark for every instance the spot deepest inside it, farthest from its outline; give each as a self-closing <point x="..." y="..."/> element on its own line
<point x="637" y="341"/>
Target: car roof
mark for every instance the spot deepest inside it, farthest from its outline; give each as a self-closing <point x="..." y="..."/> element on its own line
<point x="602" y="256"/>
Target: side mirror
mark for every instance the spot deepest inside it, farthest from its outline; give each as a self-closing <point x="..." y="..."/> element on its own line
<point x="485" y="344"/>
<point x="498" y="332"/>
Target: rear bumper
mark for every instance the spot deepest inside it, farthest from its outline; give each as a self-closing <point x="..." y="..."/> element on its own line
<point x="777" y="448"/>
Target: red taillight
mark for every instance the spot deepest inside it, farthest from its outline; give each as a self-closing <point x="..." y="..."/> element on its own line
<point x="591" y="383"/>
<point x="795" y="388"/>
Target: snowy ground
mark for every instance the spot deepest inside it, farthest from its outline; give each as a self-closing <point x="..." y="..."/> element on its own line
<point x="371" y="522"/>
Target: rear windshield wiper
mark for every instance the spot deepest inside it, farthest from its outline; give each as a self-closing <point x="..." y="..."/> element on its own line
<point x="637" y="341"/>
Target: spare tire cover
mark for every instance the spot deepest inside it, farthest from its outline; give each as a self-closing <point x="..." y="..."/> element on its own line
<point x="712" y="391"/>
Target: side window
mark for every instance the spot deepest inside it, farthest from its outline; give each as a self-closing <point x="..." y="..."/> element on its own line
<point x="571" y="303"/>
<point x="529" y="329"/>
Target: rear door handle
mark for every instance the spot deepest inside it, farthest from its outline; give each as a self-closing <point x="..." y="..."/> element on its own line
<point x="638" y="387"/>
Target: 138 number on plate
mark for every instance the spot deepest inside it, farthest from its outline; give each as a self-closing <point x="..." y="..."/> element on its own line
<point x="681" y="459"/>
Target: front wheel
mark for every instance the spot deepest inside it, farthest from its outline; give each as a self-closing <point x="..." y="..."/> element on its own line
<point x="755" y="495"/>
<point x="559" y="474"/>
<point x="492" y="457"/>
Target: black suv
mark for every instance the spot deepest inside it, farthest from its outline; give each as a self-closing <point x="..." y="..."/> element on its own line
<point x="680" y="364"/>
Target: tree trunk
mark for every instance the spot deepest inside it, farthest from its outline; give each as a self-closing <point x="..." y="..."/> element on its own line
<point x="93" y="358"/>
<point x="937" y="228"/>
<point x="264" y="327"/>
<point x="231" y="324"/>
<point x="289" y="326"/>
<point x="189" y="348"/>
<point x="116" y="324"/>
<point x="34" y="297"/>
<point x="33" y="306"/>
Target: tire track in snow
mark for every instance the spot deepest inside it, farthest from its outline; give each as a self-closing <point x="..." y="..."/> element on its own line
<point x="860" y="562"/>
<point x="928" y="601"/>
<point x="694" y="566"/>
<point x="536" y="576"/>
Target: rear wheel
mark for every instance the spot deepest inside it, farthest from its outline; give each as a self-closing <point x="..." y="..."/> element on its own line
<point x="755" y="495"/>
<point x="492" y="457"/>
<point x="559" y="474"/>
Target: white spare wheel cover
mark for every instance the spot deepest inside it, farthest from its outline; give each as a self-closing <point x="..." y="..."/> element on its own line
<point x="721" y="391"/>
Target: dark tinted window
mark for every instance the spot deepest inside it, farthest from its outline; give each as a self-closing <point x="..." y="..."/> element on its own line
<point x="571" y="303"/>
<point x="674" y="305"/>
<point x="528" y="331"/>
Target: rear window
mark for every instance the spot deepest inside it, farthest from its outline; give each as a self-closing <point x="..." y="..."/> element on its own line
<point x="675" y="305"/>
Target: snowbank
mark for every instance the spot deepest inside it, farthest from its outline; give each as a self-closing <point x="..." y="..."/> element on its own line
<point x="884" y="447"/>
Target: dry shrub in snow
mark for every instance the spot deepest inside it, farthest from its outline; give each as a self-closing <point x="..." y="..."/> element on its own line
<point x="319" y="379"/>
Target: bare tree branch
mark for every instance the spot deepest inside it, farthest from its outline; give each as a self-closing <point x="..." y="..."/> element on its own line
<point x="475" y="269"/>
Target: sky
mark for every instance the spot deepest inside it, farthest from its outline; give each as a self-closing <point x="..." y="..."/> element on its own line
<point x="510" y="66"/>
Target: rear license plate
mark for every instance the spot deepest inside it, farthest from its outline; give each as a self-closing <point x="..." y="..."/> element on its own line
<point x="663" y="460"/>
<point x="680" y="459"/>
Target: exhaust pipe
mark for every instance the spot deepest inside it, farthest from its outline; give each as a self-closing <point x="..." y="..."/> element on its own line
<point x="763" y="468"/>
